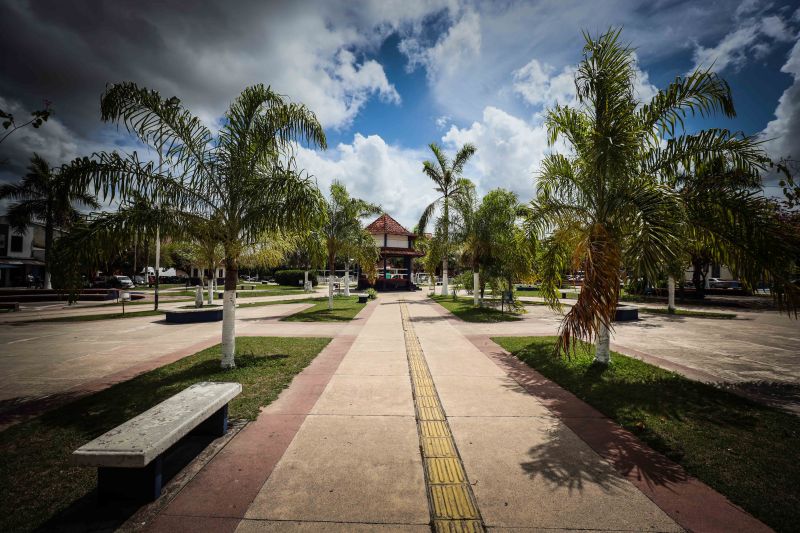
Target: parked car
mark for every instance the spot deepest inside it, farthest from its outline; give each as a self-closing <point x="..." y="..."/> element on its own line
<point x="121" y="282"/>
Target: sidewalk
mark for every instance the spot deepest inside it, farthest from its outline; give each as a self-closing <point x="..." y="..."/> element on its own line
<point x="343" y="448"/>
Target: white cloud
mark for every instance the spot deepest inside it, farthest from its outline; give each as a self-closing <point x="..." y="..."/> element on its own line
<point x="782" y="134"/>
<point x="508" y="151"/>
<point x="754" y="36"/>
<point x="538" y="86"/>
<point x="376" y="171"/>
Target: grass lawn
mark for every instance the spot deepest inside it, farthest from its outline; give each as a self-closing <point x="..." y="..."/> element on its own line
<point x="464" y="310"/>
<point x="104" y="316"/>
<point x="746" y="451"/>
<point x="247" y="293"/>
<point x="37" y="479"/>
<point x="687" y="312"/>
<point x="344" y="308"/>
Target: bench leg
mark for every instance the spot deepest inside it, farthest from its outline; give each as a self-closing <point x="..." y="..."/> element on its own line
<point x="137" y="484"/>
<point x="215" y="425"/>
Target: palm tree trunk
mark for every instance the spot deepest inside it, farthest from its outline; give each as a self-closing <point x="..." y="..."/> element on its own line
<point x="445" y="292"/>
<point x="198" y="296"/>
<point x="229" y="315"/>
<point x="48" y="246"/>
<point x="305" y="280"/>
<point x="602" y="350"/>
<point x="475" y="288"/>
<point x="347" y="278"/>
<point x="671" y="294"/>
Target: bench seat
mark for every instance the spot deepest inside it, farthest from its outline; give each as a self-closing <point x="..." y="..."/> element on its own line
<point x="128" y="457"/>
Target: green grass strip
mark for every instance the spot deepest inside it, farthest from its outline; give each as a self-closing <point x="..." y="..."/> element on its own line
<point x="687" y="312"/>
<point x="463" y="309"/>
<point x="37" y="478"/>
<point x="344" y="308"/>
<point x="743" y="449"/>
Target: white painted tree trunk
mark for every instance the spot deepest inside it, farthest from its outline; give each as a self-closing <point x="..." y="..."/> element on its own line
<point x="198" y="297"/>
<point x="305" y="280"/>
<point x="671" y="294"/>
<point x="330" y="292"/>
<point x="347" y="278"/>
<point x="476" y="289"/>
<point x="602" y="348"/>
<point x="445" y="290"/>
<point x="47" y="282"/>
<point x="228" y="329"/>
<point x="210" y="292"/>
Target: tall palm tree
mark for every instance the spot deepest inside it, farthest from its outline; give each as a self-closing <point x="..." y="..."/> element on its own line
<point x="244" y="179"/>
<point x="343" y="233"/>
<point x="448" y="185"/>
<point x="604" y="205"/>
<point x="49" y="196"/>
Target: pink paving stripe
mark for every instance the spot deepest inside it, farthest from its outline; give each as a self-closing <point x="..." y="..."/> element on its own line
<point x="687" y="500"/>
<point x="218" y="497"/>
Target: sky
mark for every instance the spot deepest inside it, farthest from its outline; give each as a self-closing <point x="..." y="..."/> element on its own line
<point x="386" y="78"/>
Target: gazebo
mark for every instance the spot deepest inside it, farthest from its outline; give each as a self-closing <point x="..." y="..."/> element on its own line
<point x="396" y="255"/>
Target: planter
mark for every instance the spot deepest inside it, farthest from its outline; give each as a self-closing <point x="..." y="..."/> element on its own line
<point x="626" y="313"/>
<point x="192" y="316"/>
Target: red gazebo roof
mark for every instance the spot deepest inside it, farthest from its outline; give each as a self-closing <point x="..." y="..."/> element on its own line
<point x="388" y="225"/>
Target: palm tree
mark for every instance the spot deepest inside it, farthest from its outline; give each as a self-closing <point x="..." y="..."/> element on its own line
<point x="244" y="179"/>
<point x="46" y="195"/>
<point x="604" y="205"/>
<point x="343" y="233"/>
<point x="449" y="185"/>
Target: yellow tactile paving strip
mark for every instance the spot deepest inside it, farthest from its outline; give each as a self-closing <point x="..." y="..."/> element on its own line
<point x="450" y="498"/>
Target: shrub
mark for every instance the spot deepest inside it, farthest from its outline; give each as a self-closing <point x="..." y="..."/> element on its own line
<point x="372" y="293"/>
<point x="294" y="278"/>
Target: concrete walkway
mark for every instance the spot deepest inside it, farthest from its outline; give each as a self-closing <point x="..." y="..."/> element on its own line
<point x="344" y="447"/>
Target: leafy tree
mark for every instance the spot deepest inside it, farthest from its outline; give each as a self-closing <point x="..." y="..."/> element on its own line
<point x="244" y="179"/>
<point x="343" y="233"/>
<point x="730" y="222"/>
<point x="604" y="205"/>
<point x="49" y="196"/>
<point x="38" y="118"/>
<point x="445" y="175"/>
<point x="507" y="253"/>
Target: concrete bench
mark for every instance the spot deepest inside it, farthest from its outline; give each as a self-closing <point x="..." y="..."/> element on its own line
<point x="11" y="306"/>
<point x="363" y="298"/>
<point x="129" y="457"/>
<point x="626" y="313"/>
<point x="191" y="316"/>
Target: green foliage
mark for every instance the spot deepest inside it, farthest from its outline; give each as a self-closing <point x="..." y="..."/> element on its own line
<point x="463" y="309"/>
<point x="294" y="278"/>
<point x="372" y="293"/>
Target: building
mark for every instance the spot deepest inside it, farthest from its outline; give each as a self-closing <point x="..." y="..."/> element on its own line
<point x="21" y="254"/>
<point x="397" y="252"/>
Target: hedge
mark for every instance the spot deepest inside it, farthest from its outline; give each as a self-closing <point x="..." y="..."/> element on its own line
<point x="294" y="278"/>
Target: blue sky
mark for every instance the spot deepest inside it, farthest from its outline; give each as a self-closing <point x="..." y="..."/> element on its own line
<point x="387" y="78"/>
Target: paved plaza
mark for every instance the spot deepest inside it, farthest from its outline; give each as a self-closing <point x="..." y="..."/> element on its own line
<point x="411" y="417"/>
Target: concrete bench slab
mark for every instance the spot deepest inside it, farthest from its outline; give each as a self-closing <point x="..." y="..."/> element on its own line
<point x="129" y="456"/>
<point x="363" y="298"/>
